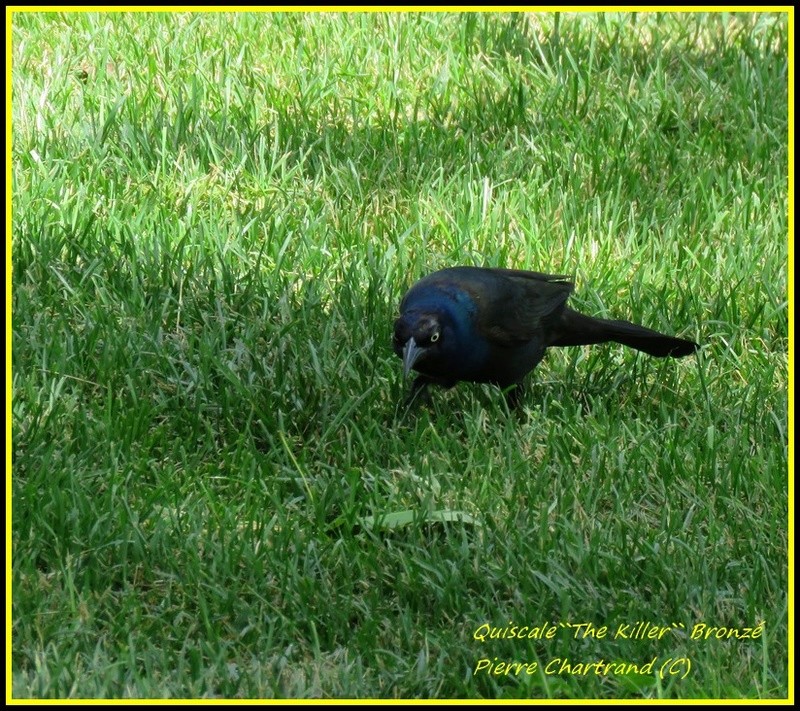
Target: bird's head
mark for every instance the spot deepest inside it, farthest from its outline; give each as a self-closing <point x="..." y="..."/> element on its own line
<point x="418" y="337"/>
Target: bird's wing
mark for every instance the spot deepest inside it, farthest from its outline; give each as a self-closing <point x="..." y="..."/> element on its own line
<point x="507" y="306"/>
<point x="535" y="276"/>
<point x="515" y="306"/>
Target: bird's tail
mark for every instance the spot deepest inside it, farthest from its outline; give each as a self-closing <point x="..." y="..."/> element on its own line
<point x="580" y="330"/>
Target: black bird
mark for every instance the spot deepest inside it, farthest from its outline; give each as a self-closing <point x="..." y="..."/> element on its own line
<point x="493" y="326"/>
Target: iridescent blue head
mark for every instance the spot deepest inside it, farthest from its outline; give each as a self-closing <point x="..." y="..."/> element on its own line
<point x="433" y="334"/>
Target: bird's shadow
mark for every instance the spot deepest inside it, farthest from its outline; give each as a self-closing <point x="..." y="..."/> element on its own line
<point x="573" y="391"/>
<point x="456" y="404"/>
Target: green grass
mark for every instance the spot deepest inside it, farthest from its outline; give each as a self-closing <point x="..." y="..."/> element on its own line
<point x="214" y="219"/>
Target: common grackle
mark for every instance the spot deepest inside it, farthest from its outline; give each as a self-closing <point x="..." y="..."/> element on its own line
<point x="493" y="326"/>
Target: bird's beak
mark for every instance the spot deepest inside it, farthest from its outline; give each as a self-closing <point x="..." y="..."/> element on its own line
<point x="411" y="354"/>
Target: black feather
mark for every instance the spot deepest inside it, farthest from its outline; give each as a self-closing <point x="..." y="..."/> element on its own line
<point x="494" y="325"/>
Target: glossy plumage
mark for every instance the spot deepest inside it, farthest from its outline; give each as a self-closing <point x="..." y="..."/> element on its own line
<point x="494" y="325"/>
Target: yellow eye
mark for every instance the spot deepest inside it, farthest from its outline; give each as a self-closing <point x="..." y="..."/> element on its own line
<point x="434" y="338"/>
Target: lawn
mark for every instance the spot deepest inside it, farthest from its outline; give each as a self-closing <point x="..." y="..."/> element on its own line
<point x="217" y="490"/>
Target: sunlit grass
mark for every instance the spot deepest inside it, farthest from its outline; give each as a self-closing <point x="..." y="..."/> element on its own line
<point x="216" y="489"/>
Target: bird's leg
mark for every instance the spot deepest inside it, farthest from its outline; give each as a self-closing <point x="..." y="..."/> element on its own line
<point x="419" y="389"/>
<point x="513" y="395"/>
